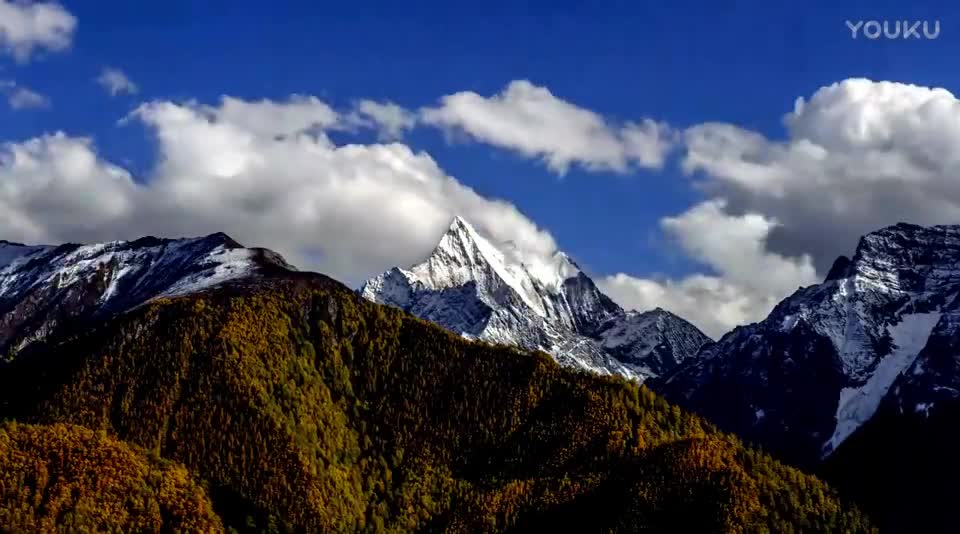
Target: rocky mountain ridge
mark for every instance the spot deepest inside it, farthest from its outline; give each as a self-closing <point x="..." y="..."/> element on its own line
<point x="44" y="288"/>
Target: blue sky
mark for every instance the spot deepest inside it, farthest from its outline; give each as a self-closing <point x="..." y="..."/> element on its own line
<point x="679" y="63"/>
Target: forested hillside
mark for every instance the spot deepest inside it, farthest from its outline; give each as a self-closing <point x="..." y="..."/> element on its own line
<point x="76" y="480"/>
<point x="296" y="406"/>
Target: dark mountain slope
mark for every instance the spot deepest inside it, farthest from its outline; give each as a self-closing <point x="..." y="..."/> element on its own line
<point x="903" y="468"/>
<point x="307" y="408"/>
<point x="903" y="463"/>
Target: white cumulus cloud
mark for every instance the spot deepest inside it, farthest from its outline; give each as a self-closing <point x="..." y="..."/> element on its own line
<point x="530" y="120"/>
<point x="748" y="280"/>
<point x="859" y="155"/>
<point x="20" y="97"/>
<point x="26" y="27"/>
<point x="115" y="82"/>
<point x="263" y="171"/>
<point x="711" y="303"/>
<point x="389" y="119"/>
<point x="56" y="188"/>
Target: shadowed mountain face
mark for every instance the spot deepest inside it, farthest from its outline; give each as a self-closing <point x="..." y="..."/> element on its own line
<point x="304" y="407"/>
<point x="901" y="464"/>
<point x="807" y="377"/>
<point x="475" y="289"/>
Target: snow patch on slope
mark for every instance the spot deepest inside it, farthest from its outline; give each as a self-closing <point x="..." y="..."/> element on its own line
<point x="858" y="404"/>
<point x="111" y="290"/>
<point x="637" y="330"/>
<point x="11" y="254"/>
<point x="187" y="265"/>
<point x="227" y="264"/>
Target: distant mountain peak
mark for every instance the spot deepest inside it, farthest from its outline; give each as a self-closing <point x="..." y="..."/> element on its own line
<point x="840" y="269"/>
<point x="459" y="231"/>
<point x="461" y="236"/>
<point x="463" y="255"/>
<point x="485" y="290"/>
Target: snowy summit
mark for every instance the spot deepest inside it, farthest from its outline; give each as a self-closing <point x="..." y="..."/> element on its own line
<point x="480" y="290"/>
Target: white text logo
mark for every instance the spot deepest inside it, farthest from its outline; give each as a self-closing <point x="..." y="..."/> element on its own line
<point x="895" y="29"/>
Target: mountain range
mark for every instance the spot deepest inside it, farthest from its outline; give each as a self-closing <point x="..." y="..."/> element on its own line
<point x="162" y="344"/>
<point x="878" y="336"/>
<point x="801" y="381"/>
<point x="197" y="385"/>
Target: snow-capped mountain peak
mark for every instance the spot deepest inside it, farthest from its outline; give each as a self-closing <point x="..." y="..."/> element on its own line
<point x="463" y="255"/>
<point x="828" y="356"/>
<point x="496" y="292"/>
<point x="43" y="287"/>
